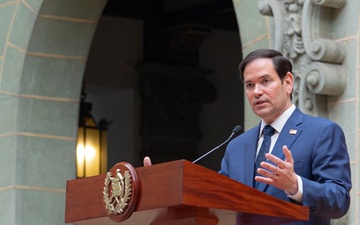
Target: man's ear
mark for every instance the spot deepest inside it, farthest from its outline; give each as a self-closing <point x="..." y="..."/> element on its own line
<point x="289" y="82"/>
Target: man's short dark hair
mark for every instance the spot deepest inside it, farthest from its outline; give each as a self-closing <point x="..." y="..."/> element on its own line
<point x="282" y="65"/>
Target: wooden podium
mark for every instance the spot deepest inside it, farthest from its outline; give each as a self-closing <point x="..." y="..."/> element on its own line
<point x="180" y="193"/>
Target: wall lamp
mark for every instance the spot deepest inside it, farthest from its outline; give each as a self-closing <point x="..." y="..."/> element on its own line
<point x="91" y="149"/>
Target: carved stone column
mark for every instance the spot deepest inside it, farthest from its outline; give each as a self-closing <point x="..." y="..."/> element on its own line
<point x="181" y="44"/>
<point x="172" y="92"/>
<point x="303" y="33"/>
<point x="171" y="102"/>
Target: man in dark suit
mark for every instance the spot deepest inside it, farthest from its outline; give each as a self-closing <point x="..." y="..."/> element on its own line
<point x="307" y="162"/>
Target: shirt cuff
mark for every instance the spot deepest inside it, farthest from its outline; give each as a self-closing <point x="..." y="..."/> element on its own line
<point x="299" y="195"/>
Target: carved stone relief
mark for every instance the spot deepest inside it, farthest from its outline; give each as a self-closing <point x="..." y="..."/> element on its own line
<point x="303" y="32"/>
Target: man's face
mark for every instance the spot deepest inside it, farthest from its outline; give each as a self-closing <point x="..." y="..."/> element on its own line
<point x="268" y="96"/>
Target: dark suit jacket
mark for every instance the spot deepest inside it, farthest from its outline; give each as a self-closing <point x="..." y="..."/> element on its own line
<point x="320" y="159"/>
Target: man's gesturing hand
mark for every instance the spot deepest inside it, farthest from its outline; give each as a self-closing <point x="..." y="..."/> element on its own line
<point x="282" y="175"/>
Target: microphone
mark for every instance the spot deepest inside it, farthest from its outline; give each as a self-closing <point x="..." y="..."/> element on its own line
<point x="235" y="132"/>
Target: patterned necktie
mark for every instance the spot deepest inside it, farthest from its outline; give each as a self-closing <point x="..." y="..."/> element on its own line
<point x="265" y="147"/>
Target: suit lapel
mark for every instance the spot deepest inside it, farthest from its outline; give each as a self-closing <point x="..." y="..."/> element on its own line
<point x="288" y="135"/>
<point x="250" y="146"/>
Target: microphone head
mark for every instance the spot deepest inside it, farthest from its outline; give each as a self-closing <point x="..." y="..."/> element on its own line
<point x="237" y="130"/>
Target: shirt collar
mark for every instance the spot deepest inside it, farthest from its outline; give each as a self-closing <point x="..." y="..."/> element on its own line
<point x="279" y="123"/>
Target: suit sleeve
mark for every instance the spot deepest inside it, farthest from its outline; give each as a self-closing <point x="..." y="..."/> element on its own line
<point x="327" y="192"/>
<point x="225" y="162"/>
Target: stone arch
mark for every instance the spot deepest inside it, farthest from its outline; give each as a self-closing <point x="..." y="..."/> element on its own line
<point x="43" y="50"/>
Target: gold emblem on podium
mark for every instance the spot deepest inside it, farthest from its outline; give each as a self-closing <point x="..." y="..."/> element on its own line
<point x="117" y="192"/>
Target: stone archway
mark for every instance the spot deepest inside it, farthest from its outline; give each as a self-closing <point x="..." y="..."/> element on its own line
<point x="43" y="50"/>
